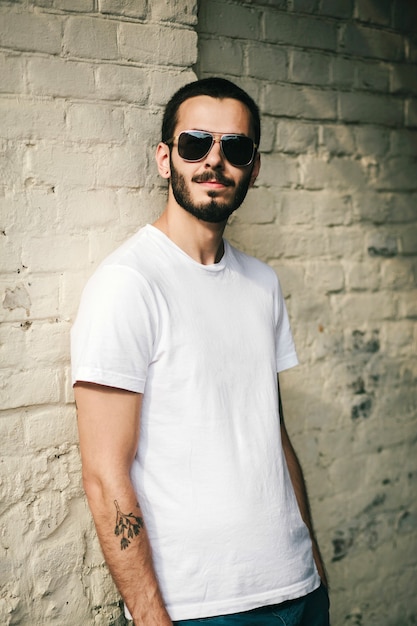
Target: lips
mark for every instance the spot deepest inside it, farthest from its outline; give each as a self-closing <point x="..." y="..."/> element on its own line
<point x="213" y="178"/>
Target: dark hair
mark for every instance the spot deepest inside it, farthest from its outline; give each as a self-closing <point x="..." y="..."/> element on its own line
<point x="216" y="88"/>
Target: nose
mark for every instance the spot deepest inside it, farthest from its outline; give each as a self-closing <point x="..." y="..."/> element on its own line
<point x="215" y="156"/>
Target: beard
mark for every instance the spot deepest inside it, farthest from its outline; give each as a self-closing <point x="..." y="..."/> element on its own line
<point x="217" y="210"/>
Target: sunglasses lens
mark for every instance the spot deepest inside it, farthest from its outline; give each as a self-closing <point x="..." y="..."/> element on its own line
<point x="237" y="149"/>
<point x="193" y="146"/>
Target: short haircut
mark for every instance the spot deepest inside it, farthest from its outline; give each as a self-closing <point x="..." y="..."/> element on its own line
<point x="214" y="87"/>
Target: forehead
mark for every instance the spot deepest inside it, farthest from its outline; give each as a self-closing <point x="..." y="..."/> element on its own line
<point x="222" y="115"/>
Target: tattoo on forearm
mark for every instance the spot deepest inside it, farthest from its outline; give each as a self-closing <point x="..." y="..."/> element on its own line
<point x="127" y="526"/>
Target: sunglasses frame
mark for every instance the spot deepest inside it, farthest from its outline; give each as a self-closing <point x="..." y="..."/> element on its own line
<point x="215" y="138"/>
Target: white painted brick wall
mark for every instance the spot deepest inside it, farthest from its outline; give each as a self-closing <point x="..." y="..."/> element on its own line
<point x="82" y="86"/>
<point x="336" y="82"/>
<point x="81" y="90"/>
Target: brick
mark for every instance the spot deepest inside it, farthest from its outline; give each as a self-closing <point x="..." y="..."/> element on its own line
<point x="66" y="166"/>
<point x="11" y="163"/>
<point x="92" y="122"/>
<point x="125" y="83"/>
<point x="295" y="137"/>
<point x="364" y="41"/>
<point x="40" y="344"/>
<point x="340" y="9"/>
<point x="121" y="166"/>
<point x="370" y="108"/>
<point x="404" y="79"/>
<point x="338" y="139"/>
<point x="32" y="120"/>
<point x="227" y="20"/>
<point x="28" y="388"/>
<point x="259" y="207"/>
<point x="408" y="240"/>
<point x="350" y="308"/>
<point x="371" y="140"/>
<point x="164" y="84"/>
<point x="44" y="295"/>
<point x="411" y="113"/>
<point x="298" y="207"/>
<point x="11" y="262"/>
<point x="266" y="62"/>
<point x="268" y="127"/>
<point x="212" y="56"/>
<point x="402" y="207"/>
<point x="41" y="212"/>
<point x="184" y="12"/>
<point x="162" y="45"/>
<point x="81" y="206"/>
<point x="411" y="49"/>
<point x="152" y="201"/>
<point x="380" y="243"/>
<point x="17" y="298"/>
<point x="403" y="142"/>
<point x="408" y="309"/>
<point x="305" y="6"/>
<point x="264" y="243"/>
<point x="398" y="274"/>
<point x="138" y="124"/>
<point x="328" y="277"/>
<point x="71" y="286"/>
<point x="292" y="101"/>
<point x="11" y="433"/>
<point x="291" y="276"/>
<point x="372" y="76"/>
<point x="90" y="38"/>
<point x="342" y="72"/>
<point x="276" y="4"/>
<point x="397" y="173"/>
<point x="332" y="209"/>
<point x="129" y="8"/>
<point x="63" y="251"/>
<point x="380" y="208"/>
<point x="86" y="6"/>
<point x="307" y="32"/>
<point x="278" y="171"/>
<point x="59" y="77"/>
<point x="336" y="173"/>
<point x="30" y="32"/>
<point x="310" y="68"/>
<point x="376" y="13"/>
<point x="404" y="15"/>
<point x="12" y="74"/>
<point x="48" y="428"/>
<point x="361" y="276"/>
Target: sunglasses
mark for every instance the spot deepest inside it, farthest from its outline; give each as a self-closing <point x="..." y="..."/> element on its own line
<point x="194" y="145"/>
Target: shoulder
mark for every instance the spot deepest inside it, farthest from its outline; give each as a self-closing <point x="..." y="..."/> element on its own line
<point x="252" y="266"/>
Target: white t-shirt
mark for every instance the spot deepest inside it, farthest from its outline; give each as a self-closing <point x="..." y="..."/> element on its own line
<point x="203" y="343"/>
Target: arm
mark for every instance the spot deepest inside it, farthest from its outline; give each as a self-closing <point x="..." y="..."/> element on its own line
<point x="300" y="489"/>
<point x="108" y="424"/>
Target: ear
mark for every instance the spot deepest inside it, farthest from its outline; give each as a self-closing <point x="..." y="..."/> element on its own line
<point x="255" y="169"/>
<point x="162" y="160"/>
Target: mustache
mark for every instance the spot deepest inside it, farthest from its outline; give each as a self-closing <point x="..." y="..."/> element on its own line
<point x="210" y="176"/>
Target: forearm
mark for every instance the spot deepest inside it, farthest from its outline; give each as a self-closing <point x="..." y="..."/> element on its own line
<point x="127" y="551"/>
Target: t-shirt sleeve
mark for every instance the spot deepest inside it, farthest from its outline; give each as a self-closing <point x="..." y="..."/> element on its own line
<point x="113" y="335"/>
<point x="286" y="355"/>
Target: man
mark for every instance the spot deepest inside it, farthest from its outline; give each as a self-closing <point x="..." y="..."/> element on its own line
<point x="195" y="489"/>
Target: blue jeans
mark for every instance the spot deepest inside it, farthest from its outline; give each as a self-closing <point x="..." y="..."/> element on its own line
<point x="310" y="610"/>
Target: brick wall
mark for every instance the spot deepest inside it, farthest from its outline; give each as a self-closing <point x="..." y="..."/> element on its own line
<point x="335" y="212"/>
<point x="82" y="84"/>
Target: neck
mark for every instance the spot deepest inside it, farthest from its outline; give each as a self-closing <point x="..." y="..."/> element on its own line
<point x="202" y="241"/>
